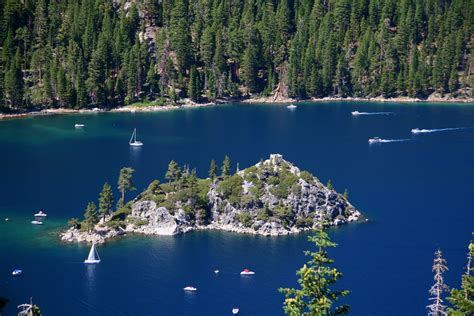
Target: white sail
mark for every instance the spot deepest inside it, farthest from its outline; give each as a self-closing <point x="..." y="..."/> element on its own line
<point x="93" y="256"/>
<point x="133" y="140"/>
<point x="134" y="137"/>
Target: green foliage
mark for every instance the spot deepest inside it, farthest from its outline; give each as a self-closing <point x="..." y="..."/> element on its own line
<point x="137" y="221"/>
<point x="315" y="295"/>
<point x="329" y="185"/>
<point x="346" y="194"/>
<point x="125" y="182"/>
<point x="245" y="218"/>
<point x="74" y="222"/>
<point x="283" y="213"/>
<point x="174" y="172"/>
<point x="213" y="169"/>
<point x="91" y="217"/>
<point x="89" y="53"/>
<point x="462" y="299"/>
<point x="106" y="200"/>
<point x="226" y="166"/>
<point x="264" y="214"/>
<point x="154" y="187"/>
<point x="306" y="176"/>
<point x="285" y="182"/>
<point x="231" y="189"/>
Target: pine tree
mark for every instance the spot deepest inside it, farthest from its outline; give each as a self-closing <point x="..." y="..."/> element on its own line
<point x="106" y="200"/>
<point x="225" y="167"/>
<point x="180" y="36"/>
<point x="13" y="84"/>
<point x="125" y="182"/>
<point x="316" y="279"/>
<point x="213" y="169"/>
<point x="193" y="86"/>
<point x="436" y="308"/>
<point x="173" y="173"/>
<point x="463" y="299"/>
<point x="91" y="217"/>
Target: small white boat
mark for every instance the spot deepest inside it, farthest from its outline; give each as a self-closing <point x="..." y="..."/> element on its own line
<point x="133" y="140"/>
<point x="36" y="222"/>
<point x="235" y="310"/>
<point x="6" y="219"/>
<point x="17" y="272"/>
<point x="418" y="131"/>
<point x="93" y="256"/>
<point x="190" y="289"/>
<point x="355" y="113"/>
<point x="375" y="140"/>
<point x="79" y="125"/>
<point x="41" y="214"/>
<point x="247" y="272"/>
<point x="216" y="271"/>
<point x="291" y="106"/>
<point x="95" y="110"/>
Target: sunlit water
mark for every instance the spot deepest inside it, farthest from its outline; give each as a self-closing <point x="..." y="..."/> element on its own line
<point x="417" y="195"/>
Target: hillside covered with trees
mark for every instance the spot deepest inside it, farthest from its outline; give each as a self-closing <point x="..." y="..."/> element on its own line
<point x="83" y="53"/>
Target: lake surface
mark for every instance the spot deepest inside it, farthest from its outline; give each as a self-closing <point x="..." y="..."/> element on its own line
<point x="416" y="193"/>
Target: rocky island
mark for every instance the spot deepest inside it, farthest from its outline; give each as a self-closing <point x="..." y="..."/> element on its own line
<point x="271" y="198"/>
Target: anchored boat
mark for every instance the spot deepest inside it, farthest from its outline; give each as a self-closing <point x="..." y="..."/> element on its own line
<point x="133" y="140"/>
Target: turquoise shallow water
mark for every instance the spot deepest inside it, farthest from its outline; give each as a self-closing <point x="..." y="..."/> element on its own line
<point x="416" y="193"/>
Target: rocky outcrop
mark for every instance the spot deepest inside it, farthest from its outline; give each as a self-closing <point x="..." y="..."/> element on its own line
<point x="271" y="198"/>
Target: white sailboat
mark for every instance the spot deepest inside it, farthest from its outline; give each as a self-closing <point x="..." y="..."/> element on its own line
<point x="93" y="256"/>
<point x="133" y="140"/>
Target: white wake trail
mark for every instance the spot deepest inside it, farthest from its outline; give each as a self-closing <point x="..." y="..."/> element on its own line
<point x="436" y="130"/>
<point x="357" y="113"/>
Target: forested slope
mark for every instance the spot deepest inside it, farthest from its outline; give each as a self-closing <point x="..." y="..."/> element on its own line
<point x="82" y="53"/>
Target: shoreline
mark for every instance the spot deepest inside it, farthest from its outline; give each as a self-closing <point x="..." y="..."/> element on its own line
<point x="253" y="100"/>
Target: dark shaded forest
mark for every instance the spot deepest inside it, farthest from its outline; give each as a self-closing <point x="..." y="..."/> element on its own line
<point x="88" y="53"/>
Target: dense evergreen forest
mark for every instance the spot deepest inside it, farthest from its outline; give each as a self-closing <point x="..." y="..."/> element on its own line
<point x="85" y="53"/>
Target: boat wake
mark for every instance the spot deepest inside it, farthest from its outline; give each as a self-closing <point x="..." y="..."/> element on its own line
<point x="379" y="141"/>
<point x="436" y="130"/>
<point x="357" y="113"/>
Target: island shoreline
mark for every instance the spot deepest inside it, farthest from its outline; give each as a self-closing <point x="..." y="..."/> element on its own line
<point x="250" y="101"/>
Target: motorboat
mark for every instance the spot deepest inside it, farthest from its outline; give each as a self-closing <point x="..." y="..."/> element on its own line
<point x="190" y="289"/>
<point x="291" y="106"/>
<point x="17" y="272"/>
<point x="36" y="222"/>
<point x="79" y="125"/>
<point x="41" y="214"/>
<point x="355" y="113"/>
<point x="235" y="310"/>
<point x="216" y="271"/>
<point x="93" y="257"/>
<point x="247" y="272"/>
<point x="375" y="140"/>
<point x="417" y="131"/>
<point x="133" y="140"/>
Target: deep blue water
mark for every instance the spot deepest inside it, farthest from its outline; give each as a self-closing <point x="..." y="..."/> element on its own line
<point x="417" y="195"/>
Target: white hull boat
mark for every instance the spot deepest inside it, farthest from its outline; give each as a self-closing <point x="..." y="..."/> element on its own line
<point x="133" y="140"/>
<point x="235" y="311"/>
<point x="247" y="272"/>
<point x="79" y="125"/>
<point x="355" y="113"/>
<point x="41" y="214"/>
<point x="291" y="106"/>
<point x="37" y="222"/>
<point x="17" y="272"/>
<point x="93" y="257"/>
<point x="375" y="140"/>
<point x="190" y="289"/>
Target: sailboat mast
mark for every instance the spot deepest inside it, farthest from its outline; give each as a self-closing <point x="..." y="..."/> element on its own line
<point x="133" y="135"/>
